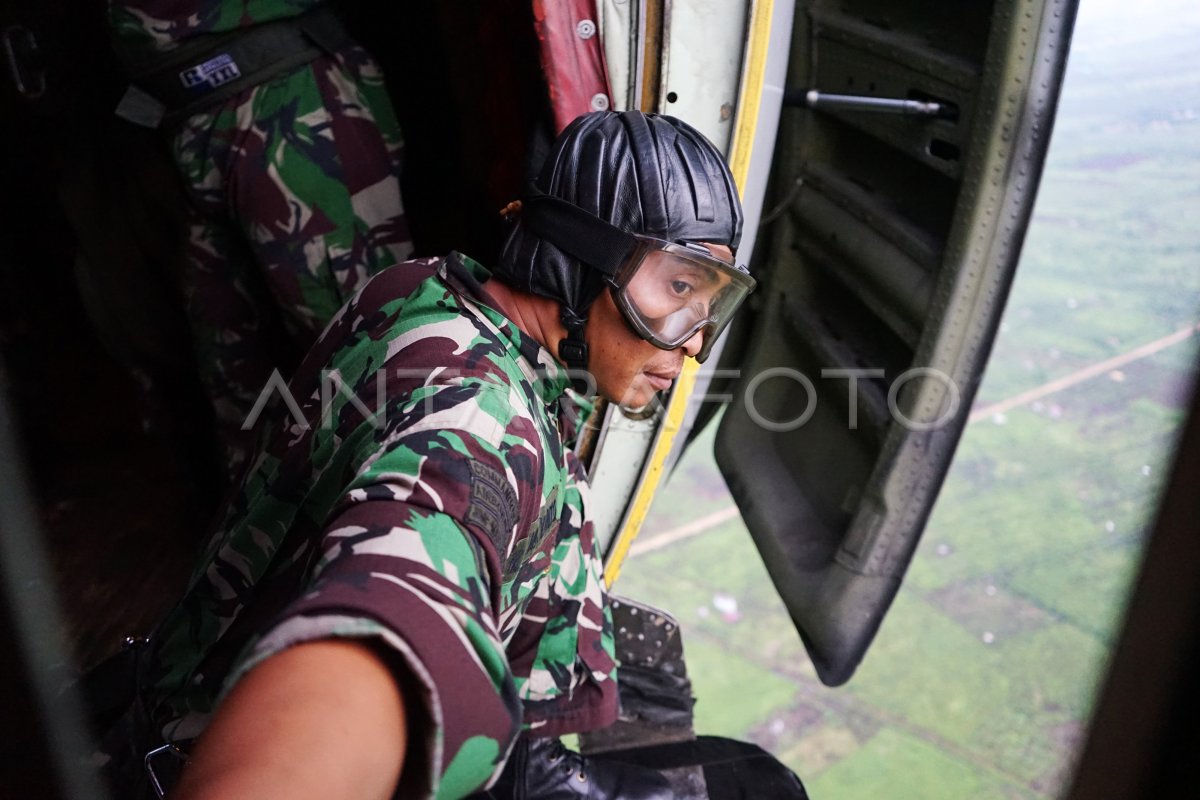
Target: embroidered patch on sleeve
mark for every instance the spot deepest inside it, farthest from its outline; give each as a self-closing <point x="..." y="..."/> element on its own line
<point x="493" y="506"/>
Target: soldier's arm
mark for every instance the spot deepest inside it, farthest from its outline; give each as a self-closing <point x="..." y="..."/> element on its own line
<point x="408" y="562"/>
<point x="324" y="719"/>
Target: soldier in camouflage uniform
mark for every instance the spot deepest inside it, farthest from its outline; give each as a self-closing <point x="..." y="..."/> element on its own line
<point x="293" y="195"/>
<point x="412" y="545"/>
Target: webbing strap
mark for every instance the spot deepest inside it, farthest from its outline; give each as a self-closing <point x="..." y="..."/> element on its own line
<point x="587" y="238"/>
<point x="209" y="69"/>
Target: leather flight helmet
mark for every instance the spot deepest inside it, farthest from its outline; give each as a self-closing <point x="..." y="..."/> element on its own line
<point x="610" y="173"/>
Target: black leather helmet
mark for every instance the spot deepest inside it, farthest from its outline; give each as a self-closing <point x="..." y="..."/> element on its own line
<point x="617" y="172"/>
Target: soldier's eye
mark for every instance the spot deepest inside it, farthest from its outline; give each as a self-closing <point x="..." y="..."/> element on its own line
<point x="681" y="289"/>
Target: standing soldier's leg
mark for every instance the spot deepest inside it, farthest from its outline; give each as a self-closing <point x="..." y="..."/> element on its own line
<point x="295" y="200"/>
<point x="316" y="186"/>
<point x="236" y="331"/>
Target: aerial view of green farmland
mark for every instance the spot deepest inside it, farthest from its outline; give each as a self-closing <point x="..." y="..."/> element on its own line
<point x="982" y="677"/>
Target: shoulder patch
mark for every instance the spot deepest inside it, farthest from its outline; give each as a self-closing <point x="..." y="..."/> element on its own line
<point x="493" y="506"/>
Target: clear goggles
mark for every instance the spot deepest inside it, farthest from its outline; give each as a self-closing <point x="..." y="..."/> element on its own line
<point x="669" y="292"/>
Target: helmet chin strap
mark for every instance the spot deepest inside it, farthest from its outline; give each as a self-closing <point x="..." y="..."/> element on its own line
<point x="573" y="350"/>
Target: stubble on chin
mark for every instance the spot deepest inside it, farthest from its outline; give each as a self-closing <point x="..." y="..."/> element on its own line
<point x="638" y="394"/>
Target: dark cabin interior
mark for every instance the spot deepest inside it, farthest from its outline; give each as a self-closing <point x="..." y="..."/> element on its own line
<point x="95" y="354"/>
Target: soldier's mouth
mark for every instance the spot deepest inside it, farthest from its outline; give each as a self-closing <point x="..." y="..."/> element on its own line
<point x="661" y="381"/>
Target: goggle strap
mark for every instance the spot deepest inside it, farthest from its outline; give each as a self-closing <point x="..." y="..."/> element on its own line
<point x="578" y="233"/>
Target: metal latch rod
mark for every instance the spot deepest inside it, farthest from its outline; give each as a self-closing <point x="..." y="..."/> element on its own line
<point x="823" y="101"/>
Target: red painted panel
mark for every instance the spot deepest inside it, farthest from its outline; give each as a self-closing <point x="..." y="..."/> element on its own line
<point x="572" y="60"/>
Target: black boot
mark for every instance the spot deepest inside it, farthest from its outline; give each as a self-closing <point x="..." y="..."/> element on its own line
<point x="543" y="769"/>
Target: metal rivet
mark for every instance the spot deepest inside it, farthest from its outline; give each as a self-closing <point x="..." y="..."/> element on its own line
<point x="600" y="102"/>
<point x="586" y="29"/>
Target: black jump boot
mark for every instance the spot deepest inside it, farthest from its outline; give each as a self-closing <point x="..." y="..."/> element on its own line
<point x="544" y="769"/>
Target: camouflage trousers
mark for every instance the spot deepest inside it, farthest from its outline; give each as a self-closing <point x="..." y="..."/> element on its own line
<point x="294" y="201"/>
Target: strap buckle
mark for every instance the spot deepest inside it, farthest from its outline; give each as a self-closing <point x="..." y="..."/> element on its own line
<point x="573" y="351"/>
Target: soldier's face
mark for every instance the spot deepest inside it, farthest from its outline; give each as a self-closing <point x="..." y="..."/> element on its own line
<point x="627" y="368"/>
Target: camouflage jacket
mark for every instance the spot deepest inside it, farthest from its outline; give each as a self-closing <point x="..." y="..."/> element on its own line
<point x="417" y="487"/>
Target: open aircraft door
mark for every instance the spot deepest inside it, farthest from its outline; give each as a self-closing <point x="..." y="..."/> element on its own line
<point x="886" y="206"/>
<point x="908" y="157"/>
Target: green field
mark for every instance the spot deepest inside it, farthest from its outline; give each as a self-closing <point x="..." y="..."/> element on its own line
<point x="981" y="679"/>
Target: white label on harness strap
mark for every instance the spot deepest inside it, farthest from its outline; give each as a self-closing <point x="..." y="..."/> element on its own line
<point x="215" y="72"/>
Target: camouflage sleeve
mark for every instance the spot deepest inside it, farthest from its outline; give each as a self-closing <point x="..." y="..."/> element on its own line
<point x="413" y="558"/>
